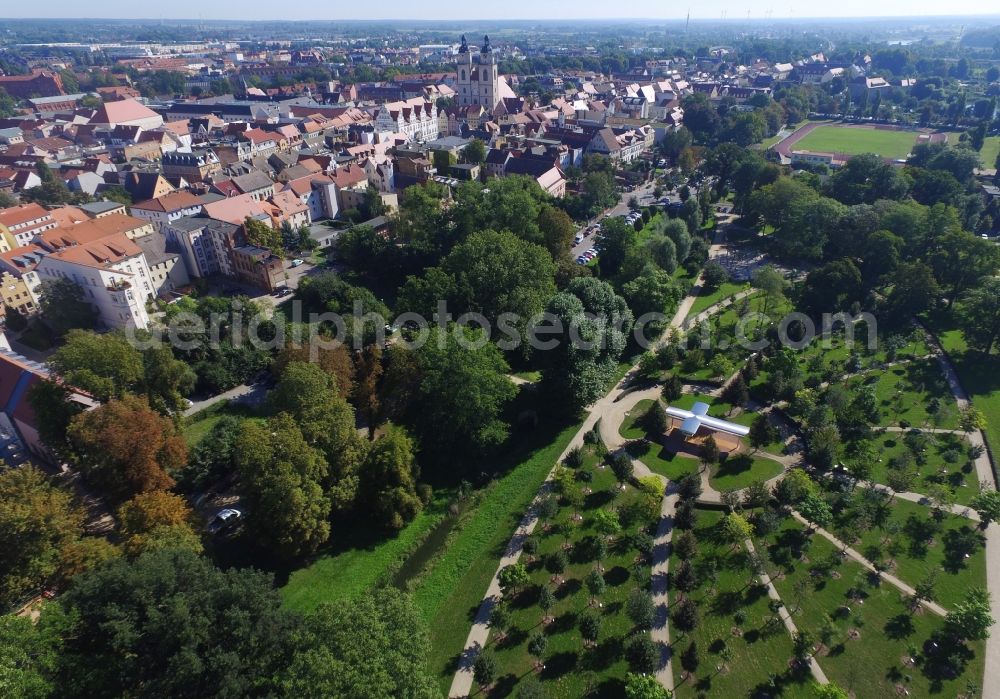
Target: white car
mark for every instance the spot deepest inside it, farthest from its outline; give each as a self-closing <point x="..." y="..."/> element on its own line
<point x="225" y="521"/>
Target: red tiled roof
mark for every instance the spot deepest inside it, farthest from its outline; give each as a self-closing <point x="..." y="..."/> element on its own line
<point x="175" y="201"/>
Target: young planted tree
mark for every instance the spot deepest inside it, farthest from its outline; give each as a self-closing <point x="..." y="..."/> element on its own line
<point x="685" y="616"/>
<point x="640" y="609"/>
<point x="512" y="578"/>
<point x="590" y="627"/>
<point x="537" y="645"/>
<point x="596" y="584"/>
<point x="484" y="669"/>
<point x="709" y="451"/>
<point x="621" y="465"/>
<point x="690" y="659"/>
<point x="642" y="654"/>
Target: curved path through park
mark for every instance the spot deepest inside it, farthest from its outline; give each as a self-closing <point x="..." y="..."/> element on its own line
<point x="604" y="410"/>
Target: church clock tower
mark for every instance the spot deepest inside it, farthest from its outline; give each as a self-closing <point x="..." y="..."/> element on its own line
<point x="477" y="82"/>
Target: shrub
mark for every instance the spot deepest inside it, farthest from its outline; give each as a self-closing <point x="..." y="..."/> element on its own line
<point x="574" y="458"/>
<point x="484" y="670"/>
<point x="640" y="608"/>
<point x="642" y="654"/>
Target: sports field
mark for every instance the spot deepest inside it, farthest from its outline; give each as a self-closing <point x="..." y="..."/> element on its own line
<point x="887" y="143"/>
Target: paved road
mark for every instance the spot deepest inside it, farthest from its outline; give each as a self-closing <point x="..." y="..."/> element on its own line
<point x="246" y="393"/>
<point x="618" y="209"/>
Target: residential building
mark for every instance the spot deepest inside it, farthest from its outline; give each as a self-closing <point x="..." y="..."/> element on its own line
<point x="24" y="222"/>
<point x="113" y="275"/>
<point x="196" y="166"/>
<point x="16" y="294"/>
<point x="40" y="83"/>
<point x="167" y="269"/>
<point x="21" y="264"/>
<point x="203" y="243"/>
<point x="255" y="184"/>
<point x="546" y="173"/>
<point x="19" y="438"/>
<point x="167" y="208"/>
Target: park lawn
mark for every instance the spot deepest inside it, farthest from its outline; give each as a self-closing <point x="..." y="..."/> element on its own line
<point x="872" y="664"/>
<point x="916" y="559"/>
<point x="855" y="141"/>
<point x="958" y="476"/>
<point x="349" y="573"/>
<point x="706" y="300"/>
<point x="980" y="377"/>
<point x="663" y="461"/>
<point x="195" y="427"/>
<point x="991" y="149"/>
<point x="629" y="428"/>
<point x="904" y="392"/>
<point x="740" y="470"/>
<point x="571" y="669"/>
<point x="533" y="375"/>
<point x="448" y="592"/>
<point x="762" y="651"/>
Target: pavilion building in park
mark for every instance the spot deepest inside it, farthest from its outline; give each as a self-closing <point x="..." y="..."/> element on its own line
<point x="696" y="425"/>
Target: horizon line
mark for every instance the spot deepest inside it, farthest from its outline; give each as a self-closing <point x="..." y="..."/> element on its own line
<point x="616" y="19"/>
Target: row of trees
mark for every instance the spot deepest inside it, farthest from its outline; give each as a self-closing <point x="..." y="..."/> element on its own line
<point x="168" y="623"/>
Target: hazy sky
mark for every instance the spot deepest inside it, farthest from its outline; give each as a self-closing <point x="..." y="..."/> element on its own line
<point x="453" y="9"/>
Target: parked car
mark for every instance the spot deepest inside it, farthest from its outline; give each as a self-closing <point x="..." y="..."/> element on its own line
<point x="297" y="262"/>
<point x="225" y="521"/>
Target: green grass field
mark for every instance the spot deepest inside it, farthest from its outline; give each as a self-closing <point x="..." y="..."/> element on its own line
<point x="740" y="470"/>
<point x="871" y="661"/>
<point x="760" y="648"/>
<point x="571" y="668"/>
<point x="449" y="591"/>
<point x="991" y="149"/>
<point x="854" y="141"/>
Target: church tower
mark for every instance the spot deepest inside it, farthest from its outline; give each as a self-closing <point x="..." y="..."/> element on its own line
<point x="477" y="81"/>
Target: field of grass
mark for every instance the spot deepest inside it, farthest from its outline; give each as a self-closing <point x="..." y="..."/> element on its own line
<point x="196" y="426"/>
<point x="571" y="668"/>
<point x="980" y="377"/>
<point x="760" y="647"/>
<point x="854" y="141"/>
<point x="914" y="545"/>
<point x="873" y="661"/>
<point x="905" y="393"/>
<point x="662" y="461"/>
<point x="991" y="149"/>
<point x="740" y="470"/>
<point x="364" y="565"/>
<point x="706" y="300"/>
<point x="944" y="461"/>
<point x="629" y="429"/>
<point x="448" y="591"/>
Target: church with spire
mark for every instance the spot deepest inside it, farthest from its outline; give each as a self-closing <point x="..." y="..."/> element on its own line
<point x="477" y="79"/>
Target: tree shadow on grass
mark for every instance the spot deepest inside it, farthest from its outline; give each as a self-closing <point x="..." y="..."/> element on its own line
<point x="605" y="654"/>
<point x="959" y="544"/>
<point x="568" y="588"/>
<point x="617" y="576"/>
<point x="899" y="627"/>
<point x="559" y="664"/>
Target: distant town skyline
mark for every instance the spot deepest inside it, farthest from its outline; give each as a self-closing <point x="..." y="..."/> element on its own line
<point x="452" y="10"/>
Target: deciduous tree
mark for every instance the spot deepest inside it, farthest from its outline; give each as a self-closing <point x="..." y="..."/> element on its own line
<point x="125" y="448"/>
